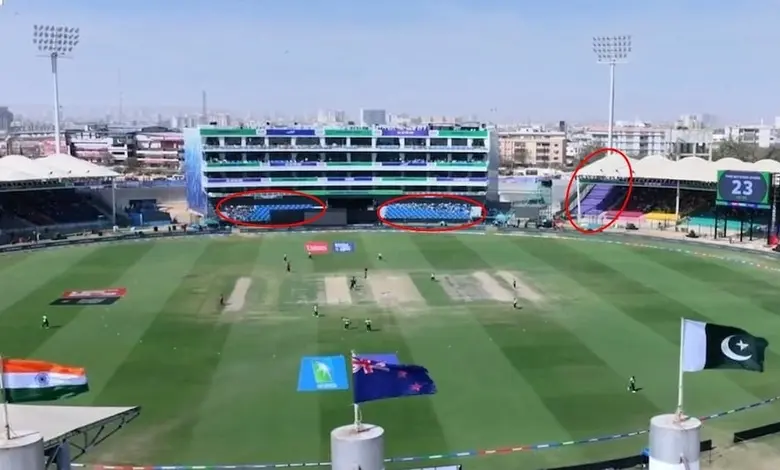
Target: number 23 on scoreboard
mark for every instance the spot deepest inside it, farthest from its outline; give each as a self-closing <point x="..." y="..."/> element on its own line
<point x="741" y="187"/>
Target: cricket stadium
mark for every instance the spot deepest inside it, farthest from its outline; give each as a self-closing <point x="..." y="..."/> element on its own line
<point x="353" y="169"/>
<point x="204" y="341"/>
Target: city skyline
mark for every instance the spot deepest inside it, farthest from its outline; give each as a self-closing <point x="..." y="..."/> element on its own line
<point x="505" y="62"/>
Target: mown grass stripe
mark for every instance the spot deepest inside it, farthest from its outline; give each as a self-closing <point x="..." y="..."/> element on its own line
<point x="447" y="252"/>
<point x="718" y="304"/>
<point x="11" y="261"/>
<point x="20" y="332"/>
<point x="115" y="330"/>
<point x="36" y="272"/>
<point x="725" y="278"/>
<point x="659" y="382"/>
<point x="633" y="298"/>
<point x="474" y="362"/>
<point x="259" y="367"/>
<point x="593" y="347"/>
<point x="184" y="343"/>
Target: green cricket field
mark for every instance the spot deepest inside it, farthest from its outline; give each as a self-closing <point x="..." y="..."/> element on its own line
<point x="218" y="383"/>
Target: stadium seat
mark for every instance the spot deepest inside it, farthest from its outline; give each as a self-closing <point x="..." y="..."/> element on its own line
<point x="625" y="215"/>
<point x="49" y="207"/>
<point x="660" y="217"/>
<point x="427" y="211"/>
<point x="145" y="212"/>
<point x="262" y="213"/>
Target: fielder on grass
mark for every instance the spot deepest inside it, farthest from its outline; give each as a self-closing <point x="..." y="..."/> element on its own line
<point x="632" y="384"/>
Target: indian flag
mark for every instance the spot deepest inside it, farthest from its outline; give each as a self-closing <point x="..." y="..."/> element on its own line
<point x="27" y="380"/>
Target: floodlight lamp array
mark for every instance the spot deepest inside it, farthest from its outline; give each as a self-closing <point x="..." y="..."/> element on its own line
<point x="59" y="40"/>
<point x="612" y="49"/>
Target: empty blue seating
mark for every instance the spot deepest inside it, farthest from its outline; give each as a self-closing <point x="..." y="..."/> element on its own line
<point x="262" y="213"/>
<point x="435" y="211"/>
<point x="145" y="212"/>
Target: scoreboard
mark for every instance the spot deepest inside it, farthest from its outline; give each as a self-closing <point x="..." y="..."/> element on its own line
<point x="751" y="189"/>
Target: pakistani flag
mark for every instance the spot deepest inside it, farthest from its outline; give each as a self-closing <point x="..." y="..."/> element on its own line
<point x="710" y="346"/>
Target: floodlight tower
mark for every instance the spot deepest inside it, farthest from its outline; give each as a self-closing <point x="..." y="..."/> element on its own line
<point x="55" y="42"/>
<point x="612" y="50"/>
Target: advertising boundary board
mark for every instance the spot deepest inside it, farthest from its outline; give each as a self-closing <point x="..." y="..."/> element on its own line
<point x="606" y="237"/>
<point x="757" y="432"/>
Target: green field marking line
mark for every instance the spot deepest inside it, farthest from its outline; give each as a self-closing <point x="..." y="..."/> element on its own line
<point x="442" y="456"/>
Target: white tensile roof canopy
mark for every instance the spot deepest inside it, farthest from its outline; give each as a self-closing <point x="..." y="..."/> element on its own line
<point x="660" y="167"/>
<point x="56" y="422"/>
<point x="16" y="168"/>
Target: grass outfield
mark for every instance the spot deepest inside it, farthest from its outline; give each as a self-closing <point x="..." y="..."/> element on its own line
<point x="219" y="387"/>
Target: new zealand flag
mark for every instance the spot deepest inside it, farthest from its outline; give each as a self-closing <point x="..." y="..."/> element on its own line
<point x="372" y="380"/>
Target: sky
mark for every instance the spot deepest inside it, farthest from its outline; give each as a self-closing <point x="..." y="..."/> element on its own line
<point x="511" y="60"/>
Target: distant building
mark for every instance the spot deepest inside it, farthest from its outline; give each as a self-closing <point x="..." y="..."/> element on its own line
<point x="330" y="116"/>
<point x="637" y="141"/>
<point x="159" y="148"/>
<point x="6" y="118"/>
<point x="692" y="143"/>
<point x="643" y="140"/>
<point x="91" y="144"/>
<point x="696" y="121"/>
<point x="532" y="147"/>
<point x="760" y="135"/>
<point x="373" y="117"/>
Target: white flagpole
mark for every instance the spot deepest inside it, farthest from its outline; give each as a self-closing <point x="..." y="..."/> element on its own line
<point x="358" y="422"/>
<point x="680" y="377"/>
<point x="7" y="420"/>
<point x="357" y="418"/>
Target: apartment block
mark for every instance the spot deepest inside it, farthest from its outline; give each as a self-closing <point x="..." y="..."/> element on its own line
<point x="635" y="141"/>
<point x="762" y="136"/>
<point x="532" y="147"/>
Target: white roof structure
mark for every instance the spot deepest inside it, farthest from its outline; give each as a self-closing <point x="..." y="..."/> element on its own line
<point x="16" y="168"/>
<point x="660" y="167"/>
<point x="57" y="423"/>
